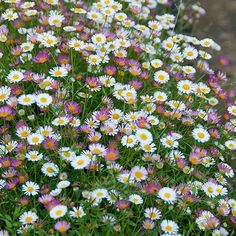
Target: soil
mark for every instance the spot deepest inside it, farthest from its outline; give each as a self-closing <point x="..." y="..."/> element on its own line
<point x="219" y="23"/>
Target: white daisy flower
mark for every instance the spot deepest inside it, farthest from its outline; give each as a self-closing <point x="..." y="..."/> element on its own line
<point x="50" y="169"/>
<point x="77" y="212"/>
<point x="161" y="77"/>
<point x="125" y="178"/>
<point x="80" y="162"/>
<point x="168" y="195"/>
<point x="66" y="154"/>
<point x="27" y="46"/>
<point x="26" y="5"/>
<point x="76" y="44"/>
<point x="148" y="147"/>
<point x="152" y="213"/>
<point x="99" y="39"/>
<point x="139" y="173"/>
<point x="59" y="71"/>
<point x="5" y="92"/>
<point x="34" y="156"/>
<point x="169" y="227"/>
<point x="95" y="16"/>
<point x="56" y="192"/>
<point x="35" y="139"/>
<point x="221" y="190"/>
<point x="177" y="57"/>
<point x="190" y="53"/>
<point x="94" y="60"/>
<point x="28" y="217"/>
<point x="30" y="12"/>
<point x="43" y="100"/>
<point x="168" y="44"/>
<point x="205" y="55"/>
<point x="176" y="105"/>
<point x="26" y="99"/>
<point x="231" y="144"/>
<point x="107" y="11"/>
<point x="75" y="122"/>
<point x="201" y="135"/>
<point x="23" y="132"/>
<point x="210" y="189"/>
<point x="63" y="184"/>
<point x="58" y="211"/>
<point x="9" y="15"/>
<point x="201" y="88"/>
<point x="15" y="76"/>
<point x="153" y="120"/>
<point x="185" y="86"/>
<point x="52" y="2"/>
<point x="232" y="110"/>
<point x="48" y="40"/>
<point x="60" y="121"/>
<point x="136" y="199"/>
<point x="97" y="149"/>
<point x="213" y="101"/>
<point x="55" y="18"/>
<point x="46" y="131"/>
<point x="107" y="81"/>
<point x="188" y="70"/>
<point x="144" y="136"/>
<point x="120" y="16"/>
<point x="206" y="42"/>
<point x="160" y="96"/>
<point x="99" y="193"/>
<point x="30" y="188"/>
<point x="169" y="142"/>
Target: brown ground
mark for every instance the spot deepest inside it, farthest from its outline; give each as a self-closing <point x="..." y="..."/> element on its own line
<point x="219" y="23"/>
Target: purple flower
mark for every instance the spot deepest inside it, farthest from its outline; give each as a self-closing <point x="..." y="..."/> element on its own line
<point x="11" y="184"/>
<point x="136" y="84"/>
<point x="152" y="188"/>
<point x="23" y="201"/>
<point x="110" y="70"/>
<point x="5" y="161"/>
<point x="195" y="158"/>
<point x="148" y="224"/>
<point x="213" y="117"/>
<point x="111" y="154"/>
<point x="73" y="108"/>
<point x="224" y="60"/>
<point x="93" y="82"/>
<point x="142" y="122"/>
<point x="215" y="133"/>
<point x="181" y="163"/>
<point x="50" y="144"/>
<point x="62" y="226"/>
<point x="5" y="111"/>
<point x="122" y="204"/>
<point x="63" y="59"/>
<point x="46" y="198"/>
<point x="41" y="57"/>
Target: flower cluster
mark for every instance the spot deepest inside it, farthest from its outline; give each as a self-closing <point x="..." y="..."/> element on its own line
<point x="110" y="122"/>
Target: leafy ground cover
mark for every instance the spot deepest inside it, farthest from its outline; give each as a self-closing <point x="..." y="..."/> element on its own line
<point x="112" y="121"/>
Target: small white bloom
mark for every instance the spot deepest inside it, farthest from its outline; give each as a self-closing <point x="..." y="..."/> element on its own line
<point x="167" y="194"/>
<point x="201" y="135"/>
<point x="30" y="188"/>
<point x="161" y="77"/>
<point x="58" y="211"/>
<point x="28" y="217"/>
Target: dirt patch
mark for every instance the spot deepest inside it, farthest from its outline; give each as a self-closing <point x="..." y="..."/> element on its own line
<point x="219" y="23"/>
